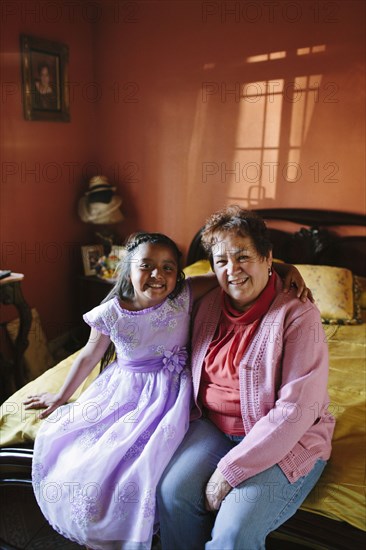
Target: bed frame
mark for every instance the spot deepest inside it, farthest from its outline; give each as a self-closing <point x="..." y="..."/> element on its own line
<point x="314" y="241"/>
<point x="319" y="242"/>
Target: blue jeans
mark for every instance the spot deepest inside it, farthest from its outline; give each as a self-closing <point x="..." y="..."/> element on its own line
<point x="247" y="515"/>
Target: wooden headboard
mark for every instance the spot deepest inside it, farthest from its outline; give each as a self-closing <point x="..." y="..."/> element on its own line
<point x="315" y="239"/>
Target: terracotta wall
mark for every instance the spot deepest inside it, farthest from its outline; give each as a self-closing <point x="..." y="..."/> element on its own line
<point x="159" y="106"/>
<point x="177" y="118"/>
<point x="43" y="165"/>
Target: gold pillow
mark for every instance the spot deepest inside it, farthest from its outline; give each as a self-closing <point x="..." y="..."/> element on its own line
<point x="333" y="291"/>
<point x="18" y="425"/>
<point x="198" y="268"/>
<point x="361" y="287"/>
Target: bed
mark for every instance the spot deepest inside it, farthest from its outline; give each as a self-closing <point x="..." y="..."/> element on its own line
<point x="329" y="249"/>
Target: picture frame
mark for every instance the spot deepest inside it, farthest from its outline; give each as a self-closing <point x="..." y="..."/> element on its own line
<point x="91" y="255"/>
<point x="45" y="85"/>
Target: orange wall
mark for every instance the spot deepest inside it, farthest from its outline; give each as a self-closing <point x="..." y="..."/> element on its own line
<point x="42" y="167"/>
<point x="164" y="114"/>
<point x="175" y="118"/>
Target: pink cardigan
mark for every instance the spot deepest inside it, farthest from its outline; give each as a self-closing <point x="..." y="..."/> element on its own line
<point x="283" y="388"/>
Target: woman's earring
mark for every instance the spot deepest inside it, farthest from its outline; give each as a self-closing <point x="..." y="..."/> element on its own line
<point x="269" y="271"/>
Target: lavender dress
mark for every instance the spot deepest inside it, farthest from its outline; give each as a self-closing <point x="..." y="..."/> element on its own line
<point x="97" y="461"/>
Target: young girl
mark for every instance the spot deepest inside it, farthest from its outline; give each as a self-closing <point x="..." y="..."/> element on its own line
<point x="97" y="461"/>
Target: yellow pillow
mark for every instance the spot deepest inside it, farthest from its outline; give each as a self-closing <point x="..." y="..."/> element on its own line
<point x="333" y="291"/>
<point x="198" y="268"/>
<point x="18" y="425"/>
<point x="361" y="286"/>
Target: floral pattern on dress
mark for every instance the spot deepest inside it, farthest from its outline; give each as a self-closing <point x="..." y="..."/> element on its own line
<point x="148" y="504"/>
<point x="166" y="315"/>
<point x="177" y="382"/>
<point x="144" y="398"/>
<point x="39" y="472"/>
<point x="182" y="300"/>
<point x="112" y="439"/>
<point x="137" y="448"/>
<point x="184" y="379"/>
<point x="105" y="321"/>
<point x="164" y="318"/>
<point x="126" y="336"/>
<point x="120" y="512"/>
<point x="85" y="509"/>
<point x="169" y="431"/>
<point x="90" y="436"/>
<point x="110" y="388"/>
<point x="157" y="350"/>
<point x="103" y="378"/>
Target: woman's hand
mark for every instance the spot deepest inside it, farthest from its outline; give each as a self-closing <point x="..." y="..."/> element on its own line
<point x="292" y="277"/>
<point x="216" y="490"/>
<point x="48" y="401"/>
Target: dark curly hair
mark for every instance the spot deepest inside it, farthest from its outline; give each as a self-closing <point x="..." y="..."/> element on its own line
<point x="239" y="221"/>
<point x="123" y="287"/>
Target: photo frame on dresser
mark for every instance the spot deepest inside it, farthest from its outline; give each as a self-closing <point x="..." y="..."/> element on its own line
<point x="45" y="86"/>
<point x="90" y="255"/>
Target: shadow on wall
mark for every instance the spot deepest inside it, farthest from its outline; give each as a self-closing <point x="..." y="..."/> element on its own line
<point x="267" y="130"/>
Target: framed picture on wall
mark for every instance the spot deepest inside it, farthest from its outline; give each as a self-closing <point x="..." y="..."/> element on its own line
<point x="91" y="255"/>
<point x="44" y="79"/>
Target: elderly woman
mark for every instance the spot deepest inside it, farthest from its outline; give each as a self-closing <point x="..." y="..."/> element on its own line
<point x="261" y="433"/>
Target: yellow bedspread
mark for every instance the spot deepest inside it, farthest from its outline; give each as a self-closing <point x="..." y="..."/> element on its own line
<point x="340" y="493"/>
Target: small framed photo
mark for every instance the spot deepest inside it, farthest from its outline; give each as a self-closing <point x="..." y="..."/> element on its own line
<point x="45" y="79"/>
<point x="91" y="255"/>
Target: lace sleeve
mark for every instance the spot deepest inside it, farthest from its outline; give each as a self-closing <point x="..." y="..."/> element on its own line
<point x="102" y="317"/>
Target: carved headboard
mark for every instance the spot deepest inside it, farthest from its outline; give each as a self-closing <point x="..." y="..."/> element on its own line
<point x="316" y="239"/>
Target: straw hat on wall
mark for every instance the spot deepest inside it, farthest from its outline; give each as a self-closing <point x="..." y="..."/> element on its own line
<point x="100" y="204"/>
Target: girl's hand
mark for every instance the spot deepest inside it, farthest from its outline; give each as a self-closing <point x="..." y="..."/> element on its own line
<point x="82" y="366"/>
<point x="216" y="490"/>
<point x="291" y="276"/>
<point x="48" y="401"/>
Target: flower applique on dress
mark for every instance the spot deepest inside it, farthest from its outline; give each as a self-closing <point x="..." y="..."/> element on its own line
<point x="175" y="360"/>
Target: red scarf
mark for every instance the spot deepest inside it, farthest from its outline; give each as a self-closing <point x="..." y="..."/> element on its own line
<point x="231" y="316"/>
<point x="219" y="391"/>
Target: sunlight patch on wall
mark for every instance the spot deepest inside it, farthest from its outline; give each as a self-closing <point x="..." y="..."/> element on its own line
<point x="311" y="49"/>
<point x="274" y="121"/>
<point x="257" y="142"/>
<point x="265" y="57"/>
